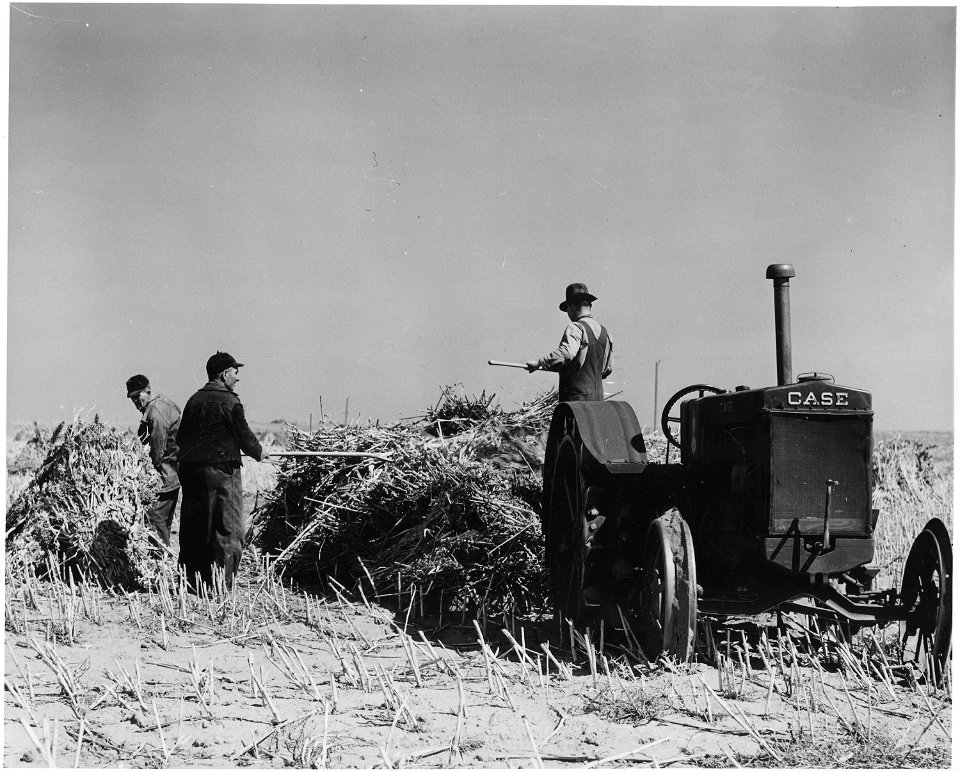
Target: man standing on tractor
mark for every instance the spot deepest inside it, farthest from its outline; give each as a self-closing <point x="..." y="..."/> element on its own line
<point x="158" y="429"/>
<point x="213" y="431"/>
<point x="585" y="354"/>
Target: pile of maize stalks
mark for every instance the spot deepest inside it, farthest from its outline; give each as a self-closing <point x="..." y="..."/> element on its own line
<point x="908" y="490"/>
<point x="452" y="519"/>
<point x="83" y="511"/>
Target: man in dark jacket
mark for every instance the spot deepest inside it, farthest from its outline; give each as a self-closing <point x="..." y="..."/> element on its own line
<point x="585" y="354"/>
<point x="213" y="431"/>
<point x="158" y="429"/>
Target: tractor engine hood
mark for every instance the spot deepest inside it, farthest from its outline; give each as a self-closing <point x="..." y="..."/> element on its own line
<point x="816" y="396"/>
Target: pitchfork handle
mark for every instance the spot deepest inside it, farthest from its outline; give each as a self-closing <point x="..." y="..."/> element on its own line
<point x="495" y="363"/>
<point x="327" y="453"/>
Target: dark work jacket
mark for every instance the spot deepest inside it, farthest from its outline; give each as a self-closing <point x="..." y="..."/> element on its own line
<point x="213" y="428"/>
<point x="584" y="383"/>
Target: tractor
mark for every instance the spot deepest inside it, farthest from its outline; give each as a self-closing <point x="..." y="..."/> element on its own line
<point x="767" y="508"/>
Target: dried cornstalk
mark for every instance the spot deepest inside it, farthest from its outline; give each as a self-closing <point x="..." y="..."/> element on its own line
<point x="457" y="518"/>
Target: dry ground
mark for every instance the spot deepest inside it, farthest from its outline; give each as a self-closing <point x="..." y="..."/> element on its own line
<point x="268" y="677"/>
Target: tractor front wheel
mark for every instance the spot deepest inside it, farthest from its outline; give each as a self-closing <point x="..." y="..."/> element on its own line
<point x="926" y="592"/>
<point x="668" y="589"/>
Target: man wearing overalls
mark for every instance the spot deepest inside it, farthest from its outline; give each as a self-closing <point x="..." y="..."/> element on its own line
<point x="585" y="354"/>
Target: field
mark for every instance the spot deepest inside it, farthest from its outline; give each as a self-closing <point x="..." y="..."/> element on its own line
<point x="270" y="676"/>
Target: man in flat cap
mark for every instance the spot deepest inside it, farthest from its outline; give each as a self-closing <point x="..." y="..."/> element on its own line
<point x="585" y="354"/>
<point x="158" y="429"/>
<point x="213" y="431"/>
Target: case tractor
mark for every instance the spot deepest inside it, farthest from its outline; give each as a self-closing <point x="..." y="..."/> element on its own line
<point x="766" y="507"/>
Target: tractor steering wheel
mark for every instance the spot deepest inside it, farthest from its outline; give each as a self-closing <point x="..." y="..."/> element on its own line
<point x="666" y="419"/>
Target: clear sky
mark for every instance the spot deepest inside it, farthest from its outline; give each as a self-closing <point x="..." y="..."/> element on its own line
<point x="369" y="202"/>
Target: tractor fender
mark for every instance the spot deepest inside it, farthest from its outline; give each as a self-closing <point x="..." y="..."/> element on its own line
<point x="609" y="431"/>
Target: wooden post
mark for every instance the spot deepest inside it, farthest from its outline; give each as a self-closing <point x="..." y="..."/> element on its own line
<point x="656" y="389"/>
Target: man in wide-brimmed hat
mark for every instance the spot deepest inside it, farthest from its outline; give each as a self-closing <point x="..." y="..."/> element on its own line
<point x="213" y="431"/>
<point x="158" y="429"/>
<point x="585" y="354"/>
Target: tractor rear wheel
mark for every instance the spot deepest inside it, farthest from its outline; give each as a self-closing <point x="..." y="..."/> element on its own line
<point x="569" y="538"/>
<point x="926" y="591"/>
<point x="592" y="462"/>
<point x="668" y="589"/>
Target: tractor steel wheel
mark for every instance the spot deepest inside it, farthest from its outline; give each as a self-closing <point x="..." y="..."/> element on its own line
<point x="926" y="592"/>
<point x="568" y="553"/>
<point x="668" y="589"/>
<point x="568" y="549"/>
<point x="657" y="591"/>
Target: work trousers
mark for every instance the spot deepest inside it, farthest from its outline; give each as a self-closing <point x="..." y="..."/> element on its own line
<point x="212" y="526"/>
<point x="160" y="515"/>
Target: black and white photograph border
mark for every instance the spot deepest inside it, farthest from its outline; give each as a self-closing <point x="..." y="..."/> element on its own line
<point x="710" y="526"/>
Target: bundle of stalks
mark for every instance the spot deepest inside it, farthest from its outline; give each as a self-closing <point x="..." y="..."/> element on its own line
<point x="506" y="439"/>
<point x="909" y="489"/>
<point x="656" y="446"/>
<point x="455" y="413"/>
<point x="84" y="508"/>
<point x="905" y="465"/>
<point x="448" y="517"/>
<point x="29" y="457"/>
<point x="25" y="454"/>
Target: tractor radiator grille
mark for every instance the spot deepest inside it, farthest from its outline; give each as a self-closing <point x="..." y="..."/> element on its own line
<point x="807" y="450"/>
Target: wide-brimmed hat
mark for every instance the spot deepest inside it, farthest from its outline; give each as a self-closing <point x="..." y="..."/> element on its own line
<point x="136" y="384"/>
<point x="219" y="362"/>
<point x="577" y="293"/>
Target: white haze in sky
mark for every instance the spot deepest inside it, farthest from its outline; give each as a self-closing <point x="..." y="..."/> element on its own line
<point x="369" y="202"/>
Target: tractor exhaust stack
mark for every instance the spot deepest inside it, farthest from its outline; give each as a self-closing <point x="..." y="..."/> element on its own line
<point x="781" y="273"/>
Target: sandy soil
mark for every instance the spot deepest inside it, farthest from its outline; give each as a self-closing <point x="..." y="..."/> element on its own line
<point x="268" y="677"/>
